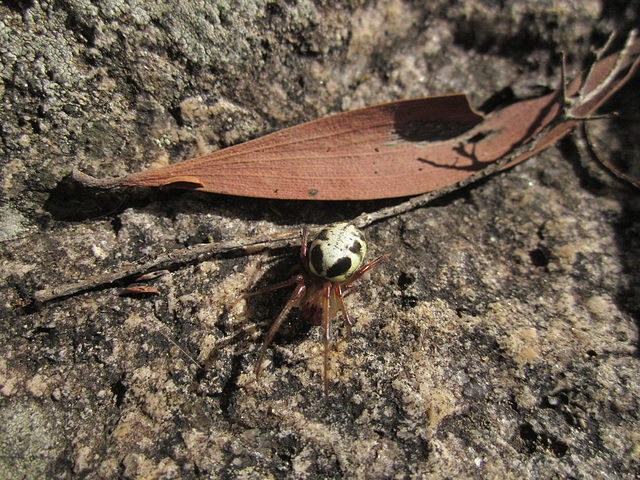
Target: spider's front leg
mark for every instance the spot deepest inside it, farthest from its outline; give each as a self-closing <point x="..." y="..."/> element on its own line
<point x="362" y="270"/>
<point x="340" y="288"/>
<point x="304" y="260"/>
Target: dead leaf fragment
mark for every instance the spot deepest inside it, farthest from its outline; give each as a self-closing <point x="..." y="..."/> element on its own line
<point x="395" y="149"/>
<point x="138" y="291"/>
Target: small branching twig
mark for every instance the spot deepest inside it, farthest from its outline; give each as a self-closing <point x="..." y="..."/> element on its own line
<point x="620" y="64"/>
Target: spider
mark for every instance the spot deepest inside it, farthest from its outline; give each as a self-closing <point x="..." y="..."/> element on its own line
<point x="329" y="267"/>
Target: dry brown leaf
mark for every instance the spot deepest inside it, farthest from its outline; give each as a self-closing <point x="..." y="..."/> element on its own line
<point x="395" y="149"/>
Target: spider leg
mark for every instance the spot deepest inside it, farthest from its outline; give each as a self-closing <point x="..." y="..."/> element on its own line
<point x="345" y="288"/>
<point x="339" y="294"/>
<point x="303" y="251"/>
<point x="303" y="247"/>
<point x="292" y="281"/>
<point x="326" y="294"/>
<point x="365" y="268"/>
<point x="297" y="294"/>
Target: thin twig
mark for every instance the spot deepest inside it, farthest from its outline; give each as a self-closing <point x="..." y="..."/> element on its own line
<point x="367" y="219"/>
<point x="167" y="260"/>
<point x="593" y="151"/>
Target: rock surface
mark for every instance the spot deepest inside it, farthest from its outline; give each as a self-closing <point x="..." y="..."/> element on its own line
<point x="499" y="341"/>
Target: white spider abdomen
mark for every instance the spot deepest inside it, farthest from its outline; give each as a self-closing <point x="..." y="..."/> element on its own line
<point x="337" y="252"/>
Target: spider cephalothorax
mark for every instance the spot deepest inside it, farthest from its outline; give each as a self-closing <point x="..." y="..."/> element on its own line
<point x="329" y="266"/>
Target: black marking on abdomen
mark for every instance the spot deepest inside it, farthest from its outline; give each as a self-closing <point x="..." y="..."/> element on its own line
<point x="315" y="257"/>
<point x="339" y="268"/>
<point x="356" y="247"/>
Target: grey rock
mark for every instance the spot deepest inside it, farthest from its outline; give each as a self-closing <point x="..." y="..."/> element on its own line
<point x="499" y="340"/>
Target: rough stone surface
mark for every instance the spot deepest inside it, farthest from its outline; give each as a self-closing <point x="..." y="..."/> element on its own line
<point x="499" y="341"/>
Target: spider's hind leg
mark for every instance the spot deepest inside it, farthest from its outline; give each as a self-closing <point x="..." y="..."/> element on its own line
<point x="292" y="281"/>
<point x="297" y="294"/>
<point x="327" y="292"/>
<point x="341" y="291"/>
